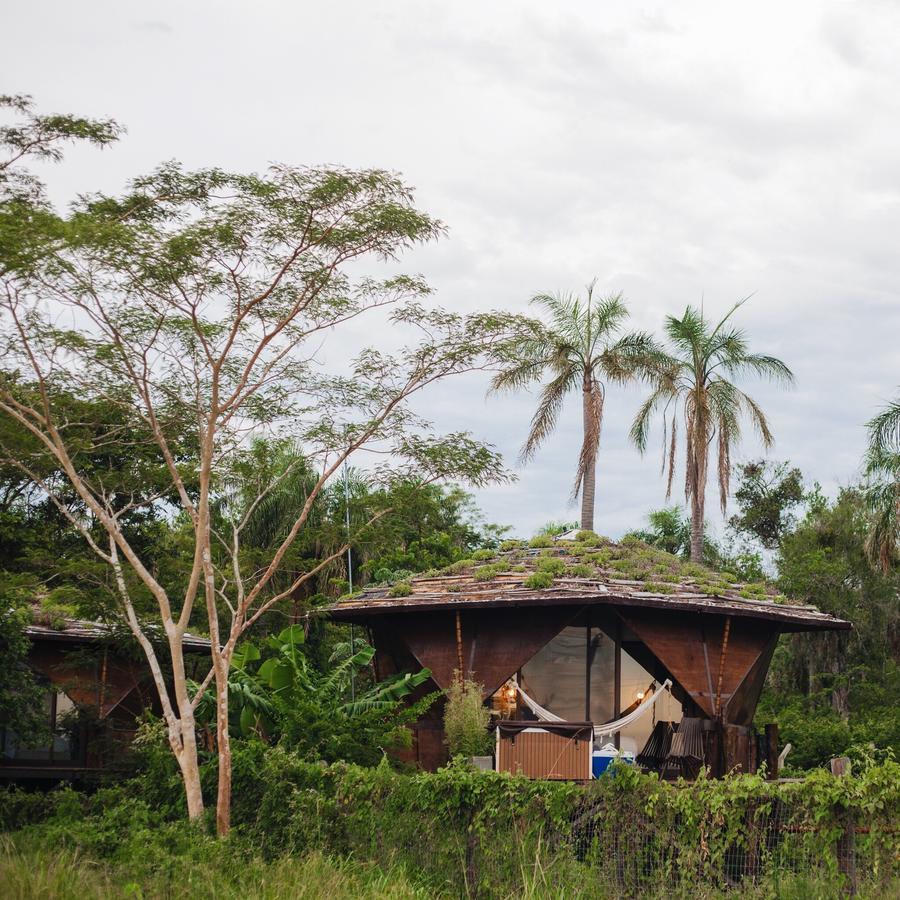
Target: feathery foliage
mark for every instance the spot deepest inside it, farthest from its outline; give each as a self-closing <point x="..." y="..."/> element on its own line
<point x="694" y="385"/>
<point x="883" y="492"/>
<point x="582" y="347"/>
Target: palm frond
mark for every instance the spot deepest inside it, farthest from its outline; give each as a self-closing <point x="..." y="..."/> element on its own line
<point x="688" y="333"/>
<point x="883" y="540"/>
<point x="721" y="323"/>
<point x="884" y="429"/>
<point x="635" y="355"/>
<point x="549" y="405"/>
<point x="519" y="375"/>
<point x="765" y="366"/>
<point x="758" y="417"/>
<point x="640" y="427"/>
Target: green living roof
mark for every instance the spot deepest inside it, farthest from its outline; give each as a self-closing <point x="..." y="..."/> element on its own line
<point x="582" y="569"/>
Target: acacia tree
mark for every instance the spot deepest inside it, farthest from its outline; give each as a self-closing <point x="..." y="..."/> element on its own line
<point x="208" y="297"/>
<point x="693" y="384"/>
<point x="581" y="348"/>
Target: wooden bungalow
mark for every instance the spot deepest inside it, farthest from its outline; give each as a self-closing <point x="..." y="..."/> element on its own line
<point x="585" y="632"/>
<point x="96" y="685"/>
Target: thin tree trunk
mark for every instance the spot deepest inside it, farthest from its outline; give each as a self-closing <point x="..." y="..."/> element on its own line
<point x="588" y="485"/>
<point x="185" y="748"/>
<point x="223" y="799"/>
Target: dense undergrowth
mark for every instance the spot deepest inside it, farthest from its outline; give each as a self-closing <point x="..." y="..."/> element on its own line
<point x="459" y="832"/>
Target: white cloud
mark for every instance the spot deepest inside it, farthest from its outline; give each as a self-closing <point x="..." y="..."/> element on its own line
<point x="678" y="151"/>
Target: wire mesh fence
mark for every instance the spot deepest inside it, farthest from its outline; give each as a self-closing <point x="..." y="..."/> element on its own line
<point x="770" y="845"/>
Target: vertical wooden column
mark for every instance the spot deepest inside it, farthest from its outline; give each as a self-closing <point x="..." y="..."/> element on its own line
<point x="771" y="751"/>
<point x="617" y="680"/>
<point x="587" y="670"/>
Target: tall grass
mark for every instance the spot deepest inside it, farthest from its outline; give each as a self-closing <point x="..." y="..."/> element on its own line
<point x="40" y="873"/>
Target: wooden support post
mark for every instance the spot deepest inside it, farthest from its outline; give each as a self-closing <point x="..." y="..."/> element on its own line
<point x="459" y="647"/>
<point x="587" y="671"/>
<point x="718" y="704"/>
<point x="846" y="843"/>
<point x="617" y="681"/>
<point x="771" y="751"/>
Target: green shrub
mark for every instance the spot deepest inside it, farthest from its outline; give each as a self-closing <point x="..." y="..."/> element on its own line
<point x="464" y="832"/>
<point x="401" y="589"/>
<point x="598" y="558"/>
<point x="658" y="587"/>
<point x="589" y="538"/>
<point x="488" y="573"/>
<point x="461" y="565"/>
<point x="482" y="555"/>
<point x="581" y="570"/>
<point x="540" y="540"/>
<point x="538" y="581"/>
<point x="466" y="719"/>
<point x="552" y="564"/>
<point x="506" y="546"/>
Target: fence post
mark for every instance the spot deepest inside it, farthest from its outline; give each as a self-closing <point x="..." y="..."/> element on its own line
<point x="846" y="843"/>
<point x="771" y="751"/>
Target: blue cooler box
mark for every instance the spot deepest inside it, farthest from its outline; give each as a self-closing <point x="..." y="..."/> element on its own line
<point x="603" y="758"/>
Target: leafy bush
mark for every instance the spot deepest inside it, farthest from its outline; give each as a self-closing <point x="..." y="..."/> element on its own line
<point x="541" y="540"/>
<point x="508" y="545"/>
<point x="538" y="581"/>
<point x="554" y="565"/>
<point x="466" y="719"/>
<point x="464" y="832"/>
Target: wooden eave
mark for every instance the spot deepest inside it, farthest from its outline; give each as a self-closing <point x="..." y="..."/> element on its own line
<point x="433" y="594"/>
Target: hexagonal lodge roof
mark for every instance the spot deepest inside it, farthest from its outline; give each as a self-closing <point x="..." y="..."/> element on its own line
<point x="586" y="571"/>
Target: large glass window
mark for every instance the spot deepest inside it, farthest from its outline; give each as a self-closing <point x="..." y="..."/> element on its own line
<point x="555" y="678"/>
<point x="635" y="682"/>
<point x="60" y="714"/>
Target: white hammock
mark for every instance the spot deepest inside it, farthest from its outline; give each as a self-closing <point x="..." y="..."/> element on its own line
<point x="607" y="728"/>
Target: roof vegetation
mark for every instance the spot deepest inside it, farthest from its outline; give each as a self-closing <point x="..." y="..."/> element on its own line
<point x="545" y="562"/>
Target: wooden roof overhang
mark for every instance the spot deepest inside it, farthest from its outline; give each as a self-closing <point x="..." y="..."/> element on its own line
<point x="428" y="596"/>
<point x="716" y="646"/>
<point x="77" y="631"/>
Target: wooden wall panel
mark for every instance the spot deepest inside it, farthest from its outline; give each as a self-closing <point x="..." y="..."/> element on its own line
<point x="84" y="676"/>
<point x="690" y="647"/>
<point x="741" y="706"/>
<point x="495" y="644"/>
<point x="545" y="755"/>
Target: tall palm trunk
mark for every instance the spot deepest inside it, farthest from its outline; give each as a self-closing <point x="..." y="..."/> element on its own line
<point x="697" y="512"/>
<point x="588" y="485"/>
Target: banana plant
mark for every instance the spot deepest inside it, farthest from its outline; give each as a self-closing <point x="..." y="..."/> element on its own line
<point x="261" y="689"/>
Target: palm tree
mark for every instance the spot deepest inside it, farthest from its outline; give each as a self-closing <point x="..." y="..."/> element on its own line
<point x="580" y="348"/>
<point x="694" y="385"/>
<point x="883" y="493"/>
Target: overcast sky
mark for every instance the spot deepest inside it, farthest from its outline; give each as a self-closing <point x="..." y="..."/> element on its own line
<point x="680" y="152"/>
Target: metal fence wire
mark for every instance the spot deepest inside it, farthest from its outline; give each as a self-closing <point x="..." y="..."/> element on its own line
<point x="772" y="844"/>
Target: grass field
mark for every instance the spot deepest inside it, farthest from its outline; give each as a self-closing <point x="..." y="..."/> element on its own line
<point x="37" y="873"/>
<point x="67" y="875"/>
